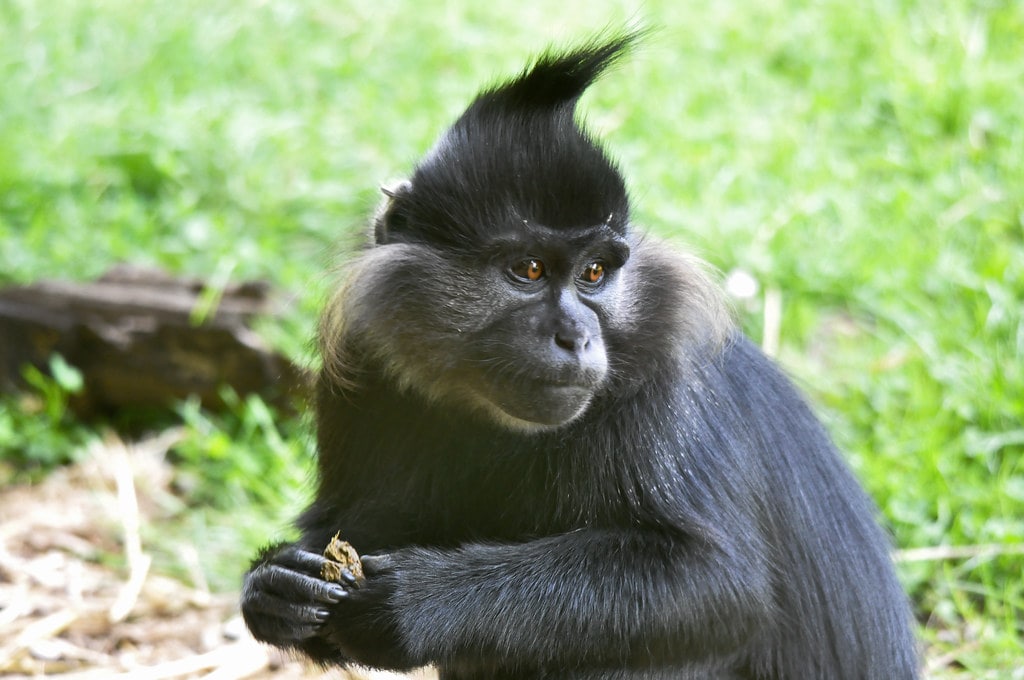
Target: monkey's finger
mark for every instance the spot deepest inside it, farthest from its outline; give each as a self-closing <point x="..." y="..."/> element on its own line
<point x="311" y="563"/>
<point x="283" y="622"/>
<point x="374" y="565"/>
<point x="301" y="560"/>
<point x="349" y="579"/>
<point x="296" y="586"/>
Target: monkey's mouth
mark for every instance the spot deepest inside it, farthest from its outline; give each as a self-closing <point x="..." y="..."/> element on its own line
<point x="540" y="404"/>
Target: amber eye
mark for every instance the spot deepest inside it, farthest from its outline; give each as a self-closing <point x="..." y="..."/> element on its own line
<point x="531" y="270"/>
<point x="594" y="273"/>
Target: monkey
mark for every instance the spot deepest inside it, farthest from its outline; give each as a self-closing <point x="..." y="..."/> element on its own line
<point x="558" y="453"/>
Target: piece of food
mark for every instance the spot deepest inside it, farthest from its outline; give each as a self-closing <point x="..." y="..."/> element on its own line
<point x="340" y="556"/>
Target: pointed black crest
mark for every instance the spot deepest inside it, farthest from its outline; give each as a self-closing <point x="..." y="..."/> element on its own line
<point x="517" y="153"/>
<point x="558" y="78"/>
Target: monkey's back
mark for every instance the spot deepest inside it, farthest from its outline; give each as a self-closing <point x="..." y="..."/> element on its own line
<point x="842" y="611"/>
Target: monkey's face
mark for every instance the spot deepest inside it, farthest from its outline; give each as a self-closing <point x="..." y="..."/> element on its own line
<point x="515" y="329"/>
<point x="541" y="355"/>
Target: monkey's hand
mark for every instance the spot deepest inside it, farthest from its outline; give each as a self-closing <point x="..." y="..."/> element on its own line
<point x="362" y="625"/>
<point x="285" y="602"/>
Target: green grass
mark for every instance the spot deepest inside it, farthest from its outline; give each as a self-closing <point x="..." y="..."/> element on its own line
<point x="864" y="159"/>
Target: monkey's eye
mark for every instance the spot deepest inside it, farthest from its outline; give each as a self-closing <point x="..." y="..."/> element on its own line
<point x="593" y="273"/>
<point x="530" y="270"/>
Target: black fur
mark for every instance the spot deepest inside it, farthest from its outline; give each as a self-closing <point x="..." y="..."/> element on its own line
<point x="497" y="164"/>
<point x="675" y="512"/>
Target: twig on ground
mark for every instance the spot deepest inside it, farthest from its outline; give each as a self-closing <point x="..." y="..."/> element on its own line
<point x="119" y="465"/>
<point x="958" y="552"/>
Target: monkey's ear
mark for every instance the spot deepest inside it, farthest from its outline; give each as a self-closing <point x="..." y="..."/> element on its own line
<point x="391" y="218"/>
<point x="396" y="189"/>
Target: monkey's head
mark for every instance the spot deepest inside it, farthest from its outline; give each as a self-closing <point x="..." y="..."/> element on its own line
<point x="500" y="277"/>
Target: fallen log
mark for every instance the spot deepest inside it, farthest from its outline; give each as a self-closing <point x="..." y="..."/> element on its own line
<point x="143" y="338"/>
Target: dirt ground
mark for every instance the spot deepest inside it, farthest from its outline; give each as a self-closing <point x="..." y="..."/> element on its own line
<point x="66" y="614"/>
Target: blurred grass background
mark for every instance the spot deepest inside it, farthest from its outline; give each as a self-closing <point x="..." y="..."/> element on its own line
<point x="864" y="160"/>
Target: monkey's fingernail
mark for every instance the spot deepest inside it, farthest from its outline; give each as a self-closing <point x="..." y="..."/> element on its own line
<point x="322" y="615"/>
<point x="336" y="593"/>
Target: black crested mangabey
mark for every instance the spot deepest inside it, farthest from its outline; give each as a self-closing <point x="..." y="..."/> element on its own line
<point x="560" y="457"/>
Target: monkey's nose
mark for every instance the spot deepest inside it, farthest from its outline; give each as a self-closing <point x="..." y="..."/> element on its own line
<point x="577" y="343"/>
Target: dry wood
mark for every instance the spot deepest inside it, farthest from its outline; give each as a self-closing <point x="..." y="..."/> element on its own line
<point x="143" y="338"/>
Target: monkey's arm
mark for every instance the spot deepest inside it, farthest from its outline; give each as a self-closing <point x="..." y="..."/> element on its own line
<point x="588" y="598"/>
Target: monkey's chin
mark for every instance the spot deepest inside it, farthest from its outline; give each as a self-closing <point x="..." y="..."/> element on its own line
<point x="545" y="408"/>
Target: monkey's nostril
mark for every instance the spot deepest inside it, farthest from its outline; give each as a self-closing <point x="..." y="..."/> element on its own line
<point x="572" y="343"/>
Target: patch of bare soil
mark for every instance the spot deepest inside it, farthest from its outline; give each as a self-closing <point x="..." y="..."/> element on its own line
<point x="66" y="613"/>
